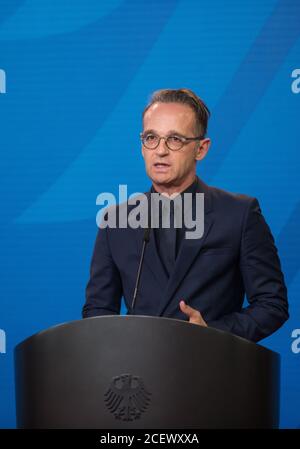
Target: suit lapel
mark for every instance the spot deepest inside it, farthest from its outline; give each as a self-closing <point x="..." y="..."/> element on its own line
<point x="188" y="251"/>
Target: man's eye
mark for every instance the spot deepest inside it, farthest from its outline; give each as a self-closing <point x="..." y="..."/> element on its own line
<point x="174" y="139"/>
<point x="150" y="137"/>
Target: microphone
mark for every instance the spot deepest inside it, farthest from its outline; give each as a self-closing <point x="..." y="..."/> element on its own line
<point x="145" y="241"/>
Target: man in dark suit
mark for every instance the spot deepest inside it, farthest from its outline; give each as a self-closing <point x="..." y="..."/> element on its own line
<point x="201" y="280"/>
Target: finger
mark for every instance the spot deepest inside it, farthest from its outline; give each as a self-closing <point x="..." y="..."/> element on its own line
<point x="188" y="310"/>
<point x="194" y="315"/>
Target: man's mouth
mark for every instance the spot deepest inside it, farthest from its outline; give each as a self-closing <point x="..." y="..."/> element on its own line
<point x="161" y="165"/>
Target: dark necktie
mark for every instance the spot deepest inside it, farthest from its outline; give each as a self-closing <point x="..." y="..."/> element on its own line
<point x="168" y="238"/>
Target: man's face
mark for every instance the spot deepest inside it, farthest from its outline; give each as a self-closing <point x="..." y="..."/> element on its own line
<point x="166" y="168"/>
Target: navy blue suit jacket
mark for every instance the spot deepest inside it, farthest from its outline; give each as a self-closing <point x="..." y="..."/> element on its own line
<point x="236" y="255"/>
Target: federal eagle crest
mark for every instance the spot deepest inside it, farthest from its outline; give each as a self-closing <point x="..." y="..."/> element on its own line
<point x="127" y="397"/>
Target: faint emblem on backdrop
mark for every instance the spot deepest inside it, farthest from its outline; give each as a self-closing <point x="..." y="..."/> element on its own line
<point x="127" y="397"/>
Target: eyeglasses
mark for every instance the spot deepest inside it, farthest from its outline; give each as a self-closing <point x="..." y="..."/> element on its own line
<point x="174" y="143"/>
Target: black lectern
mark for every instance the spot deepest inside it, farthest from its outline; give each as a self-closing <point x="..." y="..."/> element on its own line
<point x="131" y="372"/>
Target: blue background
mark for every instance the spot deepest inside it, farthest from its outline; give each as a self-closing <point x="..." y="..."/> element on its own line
<point x="78" y="76"/>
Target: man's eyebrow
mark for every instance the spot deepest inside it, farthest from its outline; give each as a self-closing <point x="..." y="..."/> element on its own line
<point x="171" y="132"/>
<point x="147" y="131"/>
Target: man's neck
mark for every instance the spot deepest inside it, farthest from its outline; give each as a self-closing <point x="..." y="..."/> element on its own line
<point x="170" y="190"/>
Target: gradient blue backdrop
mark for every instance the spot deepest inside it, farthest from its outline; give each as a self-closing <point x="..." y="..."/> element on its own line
<point x="78" y="74"/>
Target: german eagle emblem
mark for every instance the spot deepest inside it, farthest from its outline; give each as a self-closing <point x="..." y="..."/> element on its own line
<point x="127" y="397"/>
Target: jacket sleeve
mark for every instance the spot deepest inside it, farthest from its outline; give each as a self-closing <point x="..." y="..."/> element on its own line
<point x="263" y="281"/>
<point x="104" y="288"/>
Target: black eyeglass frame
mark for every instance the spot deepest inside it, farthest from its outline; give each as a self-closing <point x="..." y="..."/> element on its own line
<point x="184" y="140"/>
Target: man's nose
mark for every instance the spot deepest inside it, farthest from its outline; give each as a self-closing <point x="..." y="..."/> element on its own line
<point x="162" y="148"/>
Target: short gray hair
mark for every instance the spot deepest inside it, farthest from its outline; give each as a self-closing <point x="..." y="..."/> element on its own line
<point x="183" y="96"/>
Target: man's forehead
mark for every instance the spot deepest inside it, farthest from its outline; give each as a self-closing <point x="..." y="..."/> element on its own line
<point x="169" y="109"/>
<point x="171" y="113"/>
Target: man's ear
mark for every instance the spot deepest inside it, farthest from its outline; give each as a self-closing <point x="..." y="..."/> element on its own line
<point x="202" y="149"/>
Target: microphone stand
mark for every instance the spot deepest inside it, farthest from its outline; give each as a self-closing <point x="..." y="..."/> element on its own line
<point x="145" y="241"/>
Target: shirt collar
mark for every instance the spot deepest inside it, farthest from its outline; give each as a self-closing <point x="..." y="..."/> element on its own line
<point x="192" y="188"/>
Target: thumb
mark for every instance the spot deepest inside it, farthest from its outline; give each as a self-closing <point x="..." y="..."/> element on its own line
<point x="189" y="311"/>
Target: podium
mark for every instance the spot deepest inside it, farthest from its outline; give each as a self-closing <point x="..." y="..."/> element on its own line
<point x="138" y="372"/>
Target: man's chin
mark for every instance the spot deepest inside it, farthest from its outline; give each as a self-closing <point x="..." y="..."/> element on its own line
<point x="161" y="180"/>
